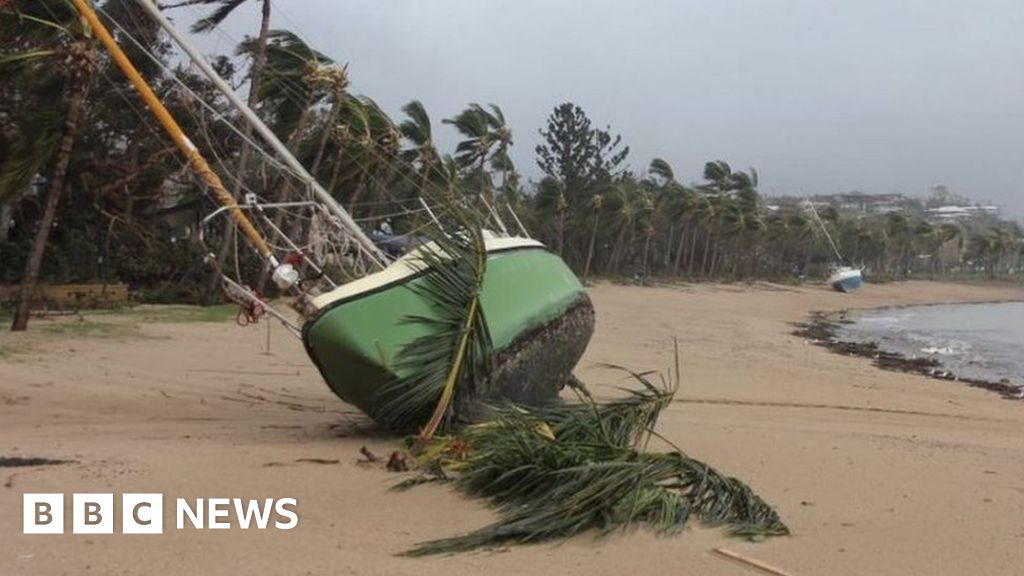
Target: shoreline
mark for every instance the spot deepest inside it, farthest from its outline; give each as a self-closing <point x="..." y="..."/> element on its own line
<point x="822" y="327"/>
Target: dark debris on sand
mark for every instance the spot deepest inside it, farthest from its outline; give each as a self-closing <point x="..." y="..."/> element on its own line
<point x="18" y="462"/>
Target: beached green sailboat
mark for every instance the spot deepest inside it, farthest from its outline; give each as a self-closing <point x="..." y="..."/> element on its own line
<point x="537" y="315"/>
<point x="537" y="312"/>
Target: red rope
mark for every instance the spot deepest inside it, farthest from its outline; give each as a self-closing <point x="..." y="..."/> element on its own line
<point x="249" y="313"/>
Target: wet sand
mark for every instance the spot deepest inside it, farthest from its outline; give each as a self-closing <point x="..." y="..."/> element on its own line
<point x="875" y="472"/>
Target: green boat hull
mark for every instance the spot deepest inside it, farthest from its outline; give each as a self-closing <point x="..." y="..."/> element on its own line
<point x="539" y="316"/>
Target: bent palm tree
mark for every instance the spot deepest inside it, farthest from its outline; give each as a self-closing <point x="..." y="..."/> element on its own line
<point x="596" y="204"/>
<point x="71" y="52"/>
<point x="225" y="8"/>
<point x="477" y="125"/>
<point x="423" y="152"/>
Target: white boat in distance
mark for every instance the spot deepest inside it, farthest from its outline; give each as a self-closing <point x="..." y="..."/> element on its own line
<point x="846" y="279"/>
<point x="842" y="277"/>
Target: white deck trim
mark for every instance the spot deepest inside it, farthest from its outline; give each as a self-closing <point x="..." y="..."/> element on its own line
<point x="405" y="267"/>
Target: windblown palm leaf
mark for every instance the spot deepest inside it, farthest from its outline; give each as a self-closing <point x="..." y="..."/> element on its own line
<point x="557" y="471"/>
<point x="219" y="14"/>
<point x="27" y="156"/>
<point x="447" y="366"/>
<point x="39" y="39"/>
<point x="663" y="170"/>
<point x="293" y="80"/>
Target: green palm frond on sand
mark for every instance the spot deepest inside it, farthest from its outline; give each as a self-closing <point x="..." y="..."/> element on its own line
<point x="557" y="471"/>
<point x="552" y="471"/>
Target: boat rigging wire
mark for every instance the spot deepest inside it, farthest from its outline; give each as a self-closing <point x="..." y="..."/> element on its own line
<point x="181" y="85"/>
<point x="295" y="94"/>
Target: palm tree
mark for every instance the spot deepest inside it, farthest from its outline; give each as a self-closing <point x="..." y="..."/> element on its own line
<point x="719" y="175"/>
<point x="668" y="196"/>
<point x="223" y="9"/>
<point x="645" y="223"/>
<point x="991" y="246"/>
<point x="625" y="204"/>
<point x="336" y="81"/>
<point x="351" y="130"/>
<point x="733" y="208"/>
<point x="418" y="131"/>
<point x="500" y="159"/>
<point x="371" y="151"/>
<point x="296" y="78"/>
<point x="596" y="205"/>
<point x="898" y="230"/>
<point x="684" y="210"/>
<point x="934" y="239"/>
<point x="550" y="204"/>
<point x="387" y="145"/>
<point x="42" y="46"/>
<point x="477" y="126"/>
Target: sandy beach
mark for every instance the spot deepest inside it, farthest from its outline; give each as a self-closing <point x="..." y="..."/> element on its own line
<point x="874" y="472"/>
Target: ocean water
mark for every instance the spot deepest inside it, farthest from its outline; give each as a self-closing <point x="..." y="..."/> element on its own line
<point x="983" y="341"/>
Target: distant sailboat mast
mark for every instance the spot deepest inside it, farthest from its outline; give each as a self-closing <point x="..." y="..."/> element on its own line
<point x="821" y="224"/>
<point x="844" y="278"/>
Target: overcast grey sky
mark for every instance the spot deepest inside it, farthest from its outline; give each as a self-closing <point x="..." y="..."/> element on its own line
<point x="819" y="96"/>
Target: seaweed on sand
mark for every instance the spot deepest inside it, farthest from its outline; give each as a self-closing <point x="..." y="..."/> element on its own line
<point x="822" y="330"/>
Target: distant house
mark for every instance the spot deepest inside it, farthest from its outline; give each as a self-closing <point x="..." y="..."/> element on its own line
<point x="862" y="203"/>
<point x="955" y="213"/>
<point x="181" y="219"/>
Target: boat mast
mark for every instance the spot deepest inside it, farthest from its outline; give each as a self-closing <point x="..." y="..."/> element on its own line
<point x="170" y="125"/>
<point x="824" y="230"/>
<point x="266" y="133"/>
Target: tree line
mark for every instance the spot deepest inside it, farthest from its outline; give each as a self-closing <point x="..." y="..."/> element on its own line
<point x="87" y="180"/>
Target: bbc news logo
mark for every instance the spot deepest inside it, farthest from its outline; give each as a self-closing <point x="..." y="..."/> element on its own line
<point x="144" y="513"/>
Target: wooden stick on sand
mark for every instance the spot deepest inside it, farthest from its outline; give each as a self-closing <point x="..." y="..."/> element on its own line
<point x="751" y="562"/>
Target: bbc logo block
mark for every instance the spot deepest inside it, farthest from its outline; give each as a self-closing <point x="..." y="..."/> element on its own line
<point x="143" y="513"/>
<point x="93" y="514"/>
<point x="43" y="514"/>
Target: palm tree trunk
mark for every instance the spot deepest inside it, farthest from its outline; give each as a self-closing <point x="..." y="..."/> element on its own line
<point x="336" y="169"/>
<point x="590" y="249"/>
<point x="705" y="263"/>
<point x="76" y="97"/>
<point x="668" y="247"/>
<point x="332" y="117"/>
<point x="692" y="258"/>
<point x="284" y="185"/>
<point x="259" y="62"/>
<point x="483" y="179"/>
<point x="357" y="194"/>
<point x="620" y="243"/>
<point x="561" y="232"/>
<point x="680" y="250"/>
<point x="647" y="247"/>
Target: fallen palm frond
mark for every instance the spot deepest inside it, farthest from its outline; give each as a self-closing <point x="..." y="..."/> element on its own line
<point x="445" y="366"/>
<point x="556" y="471"/>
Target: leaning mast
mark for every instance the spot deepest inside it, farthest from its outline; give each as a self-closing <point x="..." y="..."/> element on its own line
<point x="266" y="133"/>
<point x="196" y="161"/>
